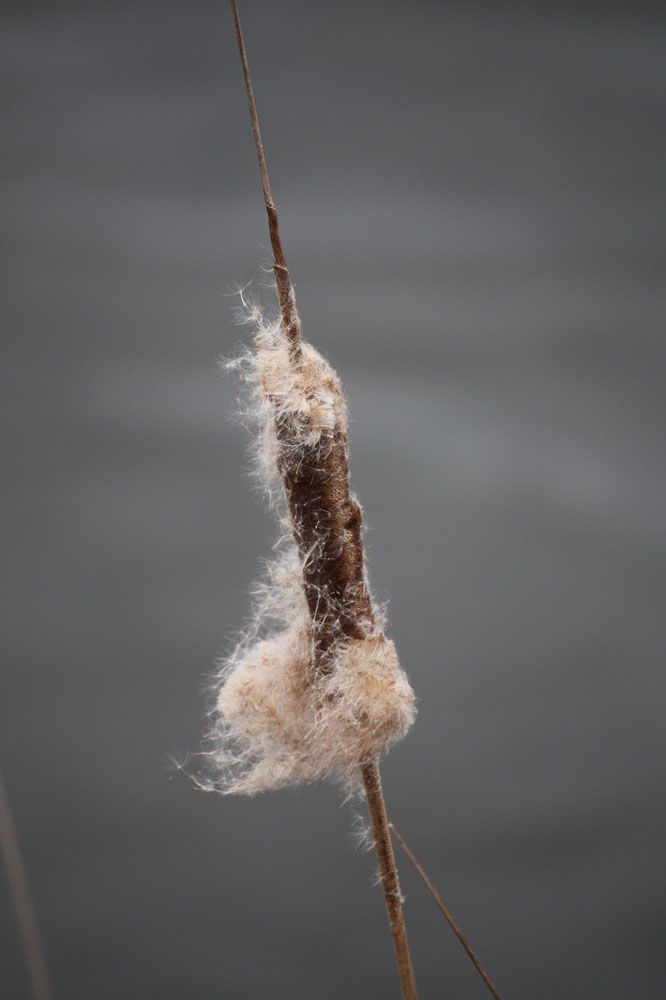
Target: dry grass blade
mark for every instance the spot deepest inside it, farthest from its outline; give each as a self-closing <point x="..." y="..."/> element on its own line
<point x="435" y="895"/>
<point x="25" y="913"/>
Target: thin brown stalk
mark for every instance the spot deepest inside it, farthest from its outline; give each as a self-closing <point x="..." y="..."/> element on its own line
<point x="25" y="913"/>
<point x="285" y="289"/>
<point x="435" y="895"/>
<point x="326" y="523"/>
<point x="389" y="876"/>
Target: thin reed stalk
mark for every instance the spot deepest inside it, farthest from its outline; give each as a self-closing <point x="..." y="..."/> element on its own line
<point x="388" y="871"/>
<point x="447" y="913"/>
<point x="20" y="892"/>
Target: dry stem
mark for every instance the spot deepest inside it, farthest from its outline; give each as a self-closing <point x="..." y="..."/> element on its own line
<point x="285" y="290"/>
<point x="389" y="876"/>
<point x="435" y="895"/>
<point x="25" y="913"/>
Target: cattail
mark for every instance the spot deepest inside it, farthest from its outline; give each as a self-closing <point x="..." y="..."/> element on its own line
<point x="314" y="689"/>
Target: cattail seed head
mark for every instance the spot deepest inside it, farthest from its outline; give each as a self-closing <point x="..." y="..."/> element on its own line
<point x="314" y="688"/>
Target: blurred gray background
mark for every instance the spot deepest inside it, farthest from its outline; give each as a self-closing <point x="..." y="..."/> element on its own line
<point x="471" y="206"/>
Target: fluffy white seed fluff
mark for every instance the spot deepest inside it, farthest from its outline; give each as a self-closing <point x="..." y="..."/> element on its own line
<point x="278" y="720"/>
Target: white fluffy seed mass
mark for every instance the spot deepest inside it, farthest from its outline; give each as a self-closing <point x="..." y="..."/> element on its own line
<point x="278" y="718"/>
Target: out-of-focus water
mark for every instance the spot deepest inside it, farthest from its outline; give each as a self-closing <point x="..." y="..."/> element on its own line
<point x="471" y="202"/>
